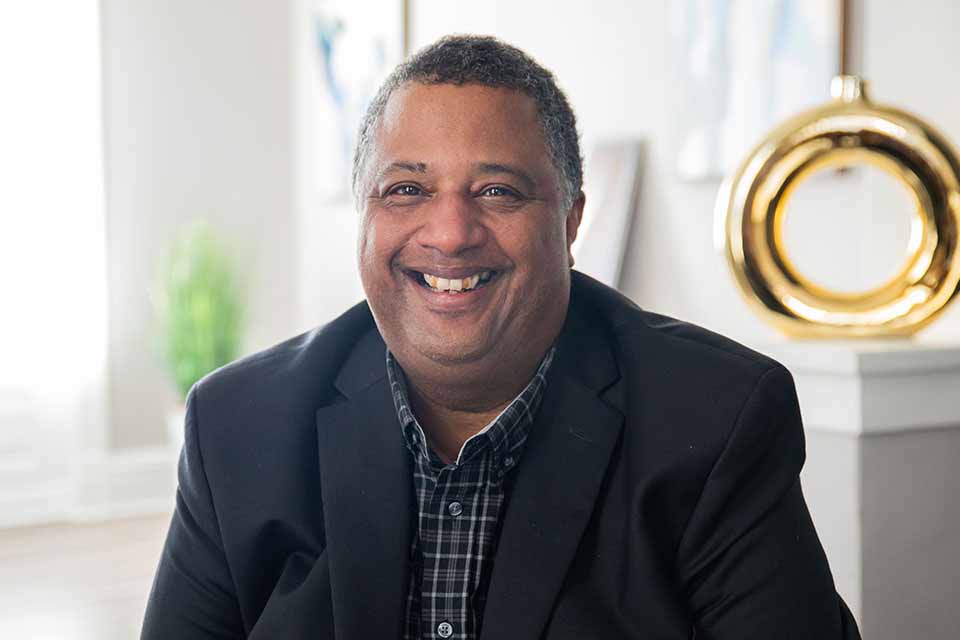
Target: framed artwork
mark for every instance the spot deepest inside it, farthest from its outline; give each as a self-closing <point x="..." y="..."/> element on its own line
<point x="612" y="186"/>
<point x="743" y="66"/>
<point x="355" y="44"/>
<point x="345" y="50"/>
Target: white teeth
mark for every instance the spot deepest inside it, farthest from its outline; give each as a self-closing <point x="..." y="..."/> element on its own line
<point x="456" y="285"/>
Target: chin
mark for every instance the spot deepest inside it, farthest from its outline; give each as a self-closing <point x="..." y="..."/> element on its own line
<point x="449" y="354"/>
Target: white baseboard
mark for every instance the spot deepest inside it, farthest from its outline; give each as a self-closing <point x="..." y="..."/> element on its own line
<point x="29" y="497"/>
<point x="126" y="483"/>
<point x="93" y="486"/>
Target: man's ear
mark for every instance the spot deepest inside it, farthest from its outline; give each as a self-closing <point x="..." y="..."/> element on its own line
<point x="574" y="216"/>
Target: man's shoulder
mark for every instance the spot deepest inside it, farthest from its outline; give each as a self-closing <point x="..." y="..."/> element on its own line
<point x="646" y="340"/>
<point x="683" y="388"/>
<point x="299" y="369"/>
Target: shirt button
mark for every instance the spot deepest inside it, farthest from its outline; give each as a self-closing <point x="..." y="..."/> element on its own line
<point x="508" y="462"/>
<point x="454" y="509"/>
<point x="444" y="629"/>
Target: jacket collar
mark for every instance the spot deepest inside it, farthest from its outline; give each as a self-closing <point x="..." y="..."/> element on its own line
<point x="368" y="502"/>
<point x="558" y="483"/>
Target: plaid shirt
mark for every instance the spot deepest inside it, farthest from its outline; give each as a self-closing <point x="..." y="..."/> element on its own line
<point x="459" y="507"/>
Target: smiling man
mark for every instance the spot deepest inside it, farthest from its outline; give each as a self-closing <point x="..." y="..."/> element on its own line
<point x="492" y="445"/>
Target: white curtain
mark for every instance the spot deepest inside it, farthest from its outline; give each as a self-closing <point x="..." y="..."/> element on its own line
<point x="53" y="318"/>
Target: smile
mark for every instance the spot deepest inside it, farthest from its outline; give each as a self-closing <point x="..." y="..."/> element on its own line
<point x="452" y="285"/>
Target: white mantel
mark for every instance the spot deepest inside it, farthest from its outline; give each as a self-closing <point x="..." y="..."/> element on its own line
<point x="876" y="386"/>
<point x="882" y="478"/>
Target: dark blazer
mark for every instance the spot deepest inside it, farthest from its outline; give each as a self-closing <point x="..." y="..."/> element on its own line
<point x="657" y="498"/>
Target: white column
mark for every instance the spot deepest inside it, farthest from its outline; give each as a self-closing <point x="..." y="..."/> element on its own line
<point x="882" y="421"/>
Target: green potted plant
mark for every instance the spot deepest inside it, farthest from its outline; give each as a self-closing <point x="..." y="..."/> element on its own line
<point x="199" y="311"/>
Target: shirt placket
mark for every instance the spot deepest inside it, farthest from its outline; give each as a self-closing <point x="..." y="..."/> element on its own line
<point x="451" y="539"/>
<point x="459" y="513"/>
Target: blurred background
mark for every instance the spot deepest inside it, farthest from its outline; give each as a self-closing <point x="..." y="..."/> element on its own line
<point x="173" y="193"/>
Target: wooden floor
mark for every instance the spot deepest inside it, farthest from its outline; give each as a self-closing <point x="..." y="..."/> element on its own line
<point x="78" y="581"/>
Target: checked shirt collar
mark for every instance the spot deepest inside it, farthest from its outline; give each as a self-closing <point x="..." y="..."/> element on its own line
<point x="506" y="433"/>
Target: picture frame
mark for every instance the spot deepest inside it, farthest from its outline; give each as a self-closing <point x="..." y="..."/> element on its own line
<point x="612" y="187"/>
<point x="355" y="44"/>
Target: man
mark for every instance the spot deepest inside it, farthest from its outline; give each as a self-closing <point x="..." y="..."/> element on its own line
<point x="492" y="446"/>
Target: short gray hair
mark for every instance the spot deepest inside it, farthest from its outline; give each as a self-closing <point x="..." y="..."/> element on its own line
<point x="484" y="60"/>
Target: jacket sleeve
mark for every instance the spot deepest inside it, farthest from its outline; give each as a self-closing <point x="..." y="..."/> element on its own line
<point x="192" y="596"/>
<point x="750" y="562"/>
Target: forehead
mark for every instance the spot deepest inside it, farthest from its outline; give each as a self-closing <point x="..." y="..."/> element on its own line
<point x="471" y="122"/>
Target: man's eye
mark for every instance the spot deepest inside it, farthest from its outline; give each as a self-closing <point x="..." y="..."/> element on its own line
<point x="405" y="190"/>
<point x="498" y="191"/>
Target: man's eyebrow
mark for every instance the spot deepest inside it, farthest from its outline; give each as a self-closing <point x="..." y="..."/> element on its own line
<point x="517" y="172"/>
<point x="401" y="166"/>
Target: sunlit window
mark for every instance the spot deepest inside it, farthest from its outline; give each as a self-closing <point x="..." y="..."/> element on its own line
<point x="52" y="241"/>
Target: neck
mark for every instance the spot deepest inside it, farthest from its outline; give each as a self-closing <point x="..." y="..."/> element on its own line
<point x="450" y="413"/>
<point x="448" y="428"/>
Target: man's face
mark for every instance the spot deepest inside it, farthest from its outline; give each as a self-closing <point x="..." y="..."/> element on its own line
<point x="459" y="192"/>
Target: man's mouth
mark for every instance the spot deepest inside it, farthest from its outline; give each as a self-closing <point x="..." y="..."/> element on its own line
<point x="440" y="284"/>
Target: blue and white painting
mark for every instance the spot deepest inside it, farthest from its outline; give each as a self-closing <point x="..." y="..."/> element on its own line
<point x="743" y="66"/>
<point x="356" y="43"/>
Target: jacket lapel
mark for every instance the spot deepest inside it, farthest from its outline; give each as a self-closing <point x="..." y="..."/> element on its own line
<point x="367" y="499"/>
<point x="556" y="487"/>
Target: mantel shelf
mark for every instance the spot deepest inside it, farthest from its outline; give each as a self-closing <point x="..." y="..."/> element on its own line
<point x="874" y="386"/>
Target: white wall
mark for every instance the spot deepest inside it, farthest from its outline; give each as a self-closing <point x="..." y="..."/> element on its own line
<point x="197" y="104"/>
<point x="613" y="59"/>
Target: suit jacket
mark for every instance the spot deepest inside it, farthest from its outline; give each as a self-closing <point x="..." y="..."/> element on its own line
<point x="658" y="495"/>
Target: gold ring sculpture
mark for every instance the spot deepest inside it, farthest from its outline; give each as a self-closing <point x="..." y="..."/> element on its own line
<point x="846" y="131"/>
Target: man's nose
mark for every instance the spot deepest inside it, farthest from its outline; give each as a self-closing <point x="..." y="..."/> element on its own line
<point x="452" y="225"/>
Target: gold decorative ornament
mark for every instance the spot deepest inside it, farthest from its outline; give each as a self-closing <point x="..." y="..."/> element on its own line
<point x="849" y="130"/>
